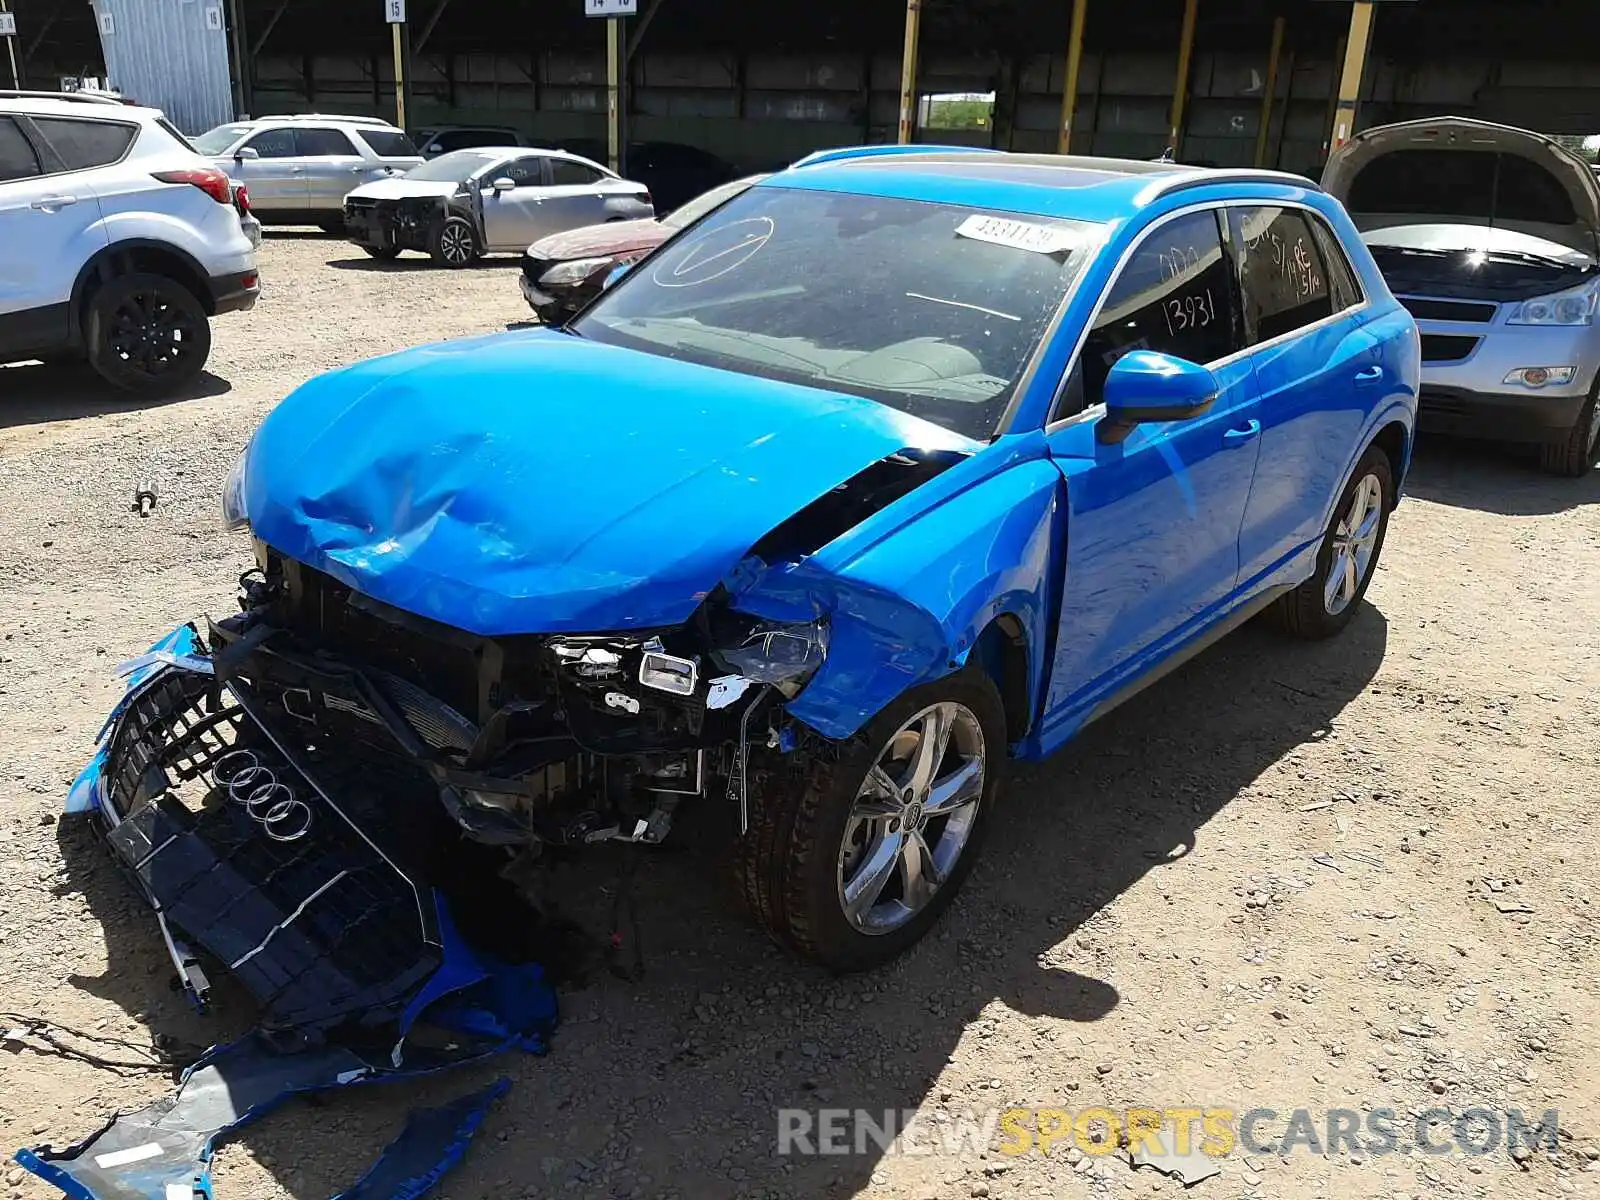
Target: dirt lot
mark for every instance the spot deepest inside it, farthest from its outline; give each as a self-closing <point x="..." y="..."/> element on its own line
<point x="1278" y="879"/>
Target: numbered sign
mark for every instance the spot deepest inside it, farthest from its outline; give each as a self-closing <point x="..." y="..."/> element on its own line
<point x="8" y="24"/>
<point x="610" y="8"/>
<point x="394" y="11"/>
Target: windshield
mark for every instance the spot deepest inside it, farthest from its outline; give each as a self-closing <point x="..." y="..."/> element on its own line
<point x="933" y="309"/>
<point x="687" y="214"/>
<point x="215" y="141"/>
<point x="455" y="167"/>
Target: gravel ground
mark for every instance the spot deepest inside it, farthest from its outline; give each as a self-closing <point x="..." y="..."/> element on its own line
<point x="1349" y="875"/>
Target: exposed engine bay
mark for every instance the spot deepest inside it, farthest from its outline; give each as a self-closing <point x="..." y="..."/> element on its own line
<point x="526" y="740"/>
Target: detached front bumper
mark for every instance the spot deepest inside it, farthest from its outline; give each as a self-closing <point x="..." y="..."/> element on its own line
<point x="232" y="831"/>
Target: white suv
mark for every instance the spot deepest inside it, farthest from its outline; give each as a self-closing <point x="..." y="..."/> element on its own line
<point x="118" y="241"/>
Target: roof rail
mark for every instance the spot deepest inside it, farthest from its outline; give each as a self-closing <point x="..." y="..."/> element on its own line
<point x="1165" y="185"/>
<point x="76" y="97"/>
<point x="846" y="153"/>
<point x="351" y="118"/>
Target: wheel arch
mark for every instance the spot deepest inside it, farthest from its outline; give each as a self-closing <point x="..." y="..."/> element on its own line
<point x="132" y="256"/>
<point x="1002" y="652"/>
<point x="1394" y="439"/>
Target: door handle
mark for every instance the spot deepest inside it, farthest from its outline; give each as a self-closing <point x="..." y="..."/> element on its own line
<point x="1238" y="437"/>
<point x="1369" y="376"/>
<point x="51" y="203"/>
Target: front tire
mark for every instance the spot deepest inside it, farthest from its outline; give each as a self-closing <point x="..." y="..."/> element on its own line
<point x="850" y="861"/>
<point x="382" y="253"/>
<point x="1574" y="455"/>
<point x="146" y="333"/>
<point x="1323" y="605"/>
<point x="453" y="242"/>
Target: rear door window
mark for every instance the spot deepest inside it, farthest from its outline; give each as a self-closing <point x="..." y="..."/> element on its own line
<point x="389" y="143"/>
<point x="1283" y="280"/>
<point x="82" y="144"/>
<point x="321" y="143"/>
<point x="1174" y="296"/>
<point x="17" y="158"/>
<point x="564" y="172"/>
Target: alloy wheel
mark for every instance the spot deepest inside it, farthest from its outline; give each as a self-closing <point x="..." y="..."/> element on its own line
<point x="455" y="244"/>
<point x="912" y="818"/>
<point x="1354" y="539"/>
<point x="150" y="333"/>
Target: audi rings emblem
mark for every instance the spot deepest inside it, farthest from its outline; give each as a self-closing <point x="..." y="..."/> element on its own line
<point x="270" y="802"/>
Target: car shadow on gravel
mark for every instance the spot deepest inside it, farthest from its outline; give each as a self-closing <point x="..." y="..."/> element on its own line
<point x="671" y="1082"/>
<point x="418" y="262"/>
<point x="36" y="393"/>
<point x="1495" y="478"/>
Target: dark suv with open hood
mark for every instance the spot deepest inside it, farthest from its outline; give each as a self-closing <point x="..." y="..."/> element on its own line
<point x="1491" y="237"/>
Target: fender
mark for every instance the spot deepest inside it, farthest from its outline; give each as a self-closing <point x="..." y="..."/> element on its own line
<point x="93" y="268"/>
<point x="909" y="608"/>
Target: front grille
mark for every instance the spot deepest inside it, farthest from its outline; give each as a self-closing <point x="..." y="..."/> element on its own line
<point x="1446" y="347"/>
<point x="534" y="268"/>
<point x="359" y="204"/>
<point x="1448" y="310"/>
<point x="319" y="926"/>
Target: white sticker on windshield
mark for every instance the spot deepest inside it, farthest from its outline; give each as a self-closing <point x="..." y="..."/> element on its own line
<point x="1019" y="235"/>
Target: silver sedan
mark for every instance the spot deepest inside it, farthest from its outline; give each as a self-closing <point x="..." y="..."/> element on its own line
<point x="488" y="199"/>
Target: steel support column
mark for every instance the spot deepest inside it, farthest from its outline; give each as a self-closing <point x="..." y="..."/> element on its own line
<point x="614" y="92"/>
<point x="1356" y="46"/>
<point x="1180" y="91"/>
<point x="908" y="73"/>
<point x="1269" y="91"/>
<point x="1069" y="87"/>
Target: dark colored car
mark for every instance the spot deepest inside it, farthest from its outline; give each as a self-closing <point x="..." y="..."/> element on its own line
<point x="674" y="173"/>
<point x="563" y="272"/>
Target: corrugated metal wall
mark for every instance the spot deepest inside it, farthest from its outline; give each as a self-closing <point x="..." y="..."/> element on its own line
<point x="170" y="54"/>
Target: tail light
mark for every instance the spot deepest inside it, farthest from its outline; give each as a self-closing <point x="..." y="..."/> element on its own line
<point x="645" y="196"/>
<point x="208" y="179"/>
<point x="241" y="200"/>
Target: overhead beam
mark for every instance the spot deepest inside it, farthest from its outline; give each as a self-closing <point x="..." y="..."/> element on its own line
<point x="429" y="26"/>
<point x="1069" y="89"/>
<point x="32" y="47"/>
<point x="908" y="73"/>
<point x="266" y="30"/>
<point x="1180" y="89"/>
<point x="643" y="23"/>
<point x="1269" y="91"/>
<point x="1357" y="43"/>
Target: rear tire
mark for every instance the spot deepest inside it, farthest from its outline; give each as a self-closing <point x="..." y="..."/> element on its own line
<point x="146" y="333"/>
<point x="1574" y="455"/>
<point x="810" y="846"/>
<point x="453" y="242"/>
<point x="1323" y="605"/>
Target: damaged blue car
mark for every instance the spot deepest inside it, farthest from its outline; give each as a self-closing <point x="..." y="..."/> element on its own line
<point x="903" y="461"/>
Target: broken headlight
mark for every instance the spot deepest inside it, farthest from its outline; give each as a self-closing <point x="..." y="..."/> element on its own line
<point x="234" y="516"/>
<point x="783" y="655"/>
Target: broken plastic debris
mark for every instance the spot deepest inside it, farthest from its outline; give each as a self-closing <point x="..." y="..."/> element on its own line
<point x="1188" y="1169"/>
<point x="433" y="1141"/>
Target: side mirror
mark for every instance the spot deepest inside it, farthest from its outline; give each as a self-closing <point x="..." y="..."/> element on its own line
<point x="245" y="154"/>
<point x="616" y="273"/>
<point x="1143" y="386"/>
<point x="503" y="184"/>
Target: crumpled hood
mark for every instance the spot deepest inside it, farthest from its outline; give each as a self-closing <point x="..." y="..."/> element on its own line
<point x="404" y="189"/>
<point x="536" y="482"/>
<point x="611" y="237"/>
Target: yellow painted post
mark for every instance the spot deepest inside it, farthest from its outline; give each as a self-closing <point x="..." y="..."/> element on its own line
<point x="1269" y="91"/>
<point x="613" y="91"/>
<point x="908" y="73"/>
<point x="1180" y="92"/>
<point x="1069" y="90"/>
<point x="1355" y="63"/>
<point x="399" y="78"/>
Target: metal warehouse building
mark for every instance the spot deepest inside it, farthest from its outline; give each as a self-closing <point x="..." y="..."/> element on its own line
<point x="1219" y="81"/>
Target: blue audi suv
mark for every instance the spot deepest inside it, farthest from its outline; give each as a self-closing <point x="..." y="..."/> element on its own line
<point x="901" y="462"/>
